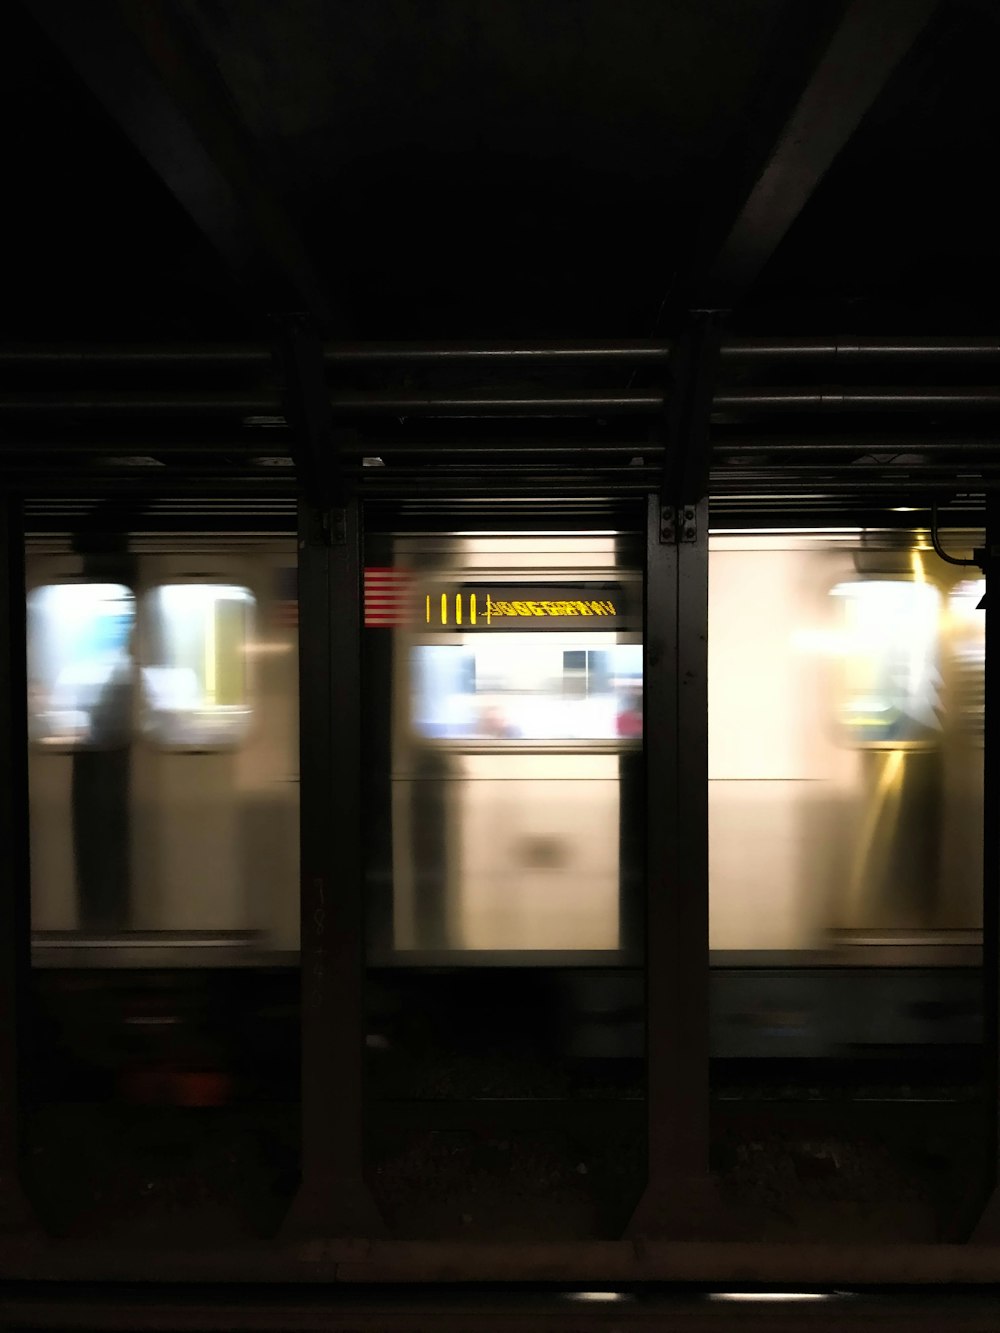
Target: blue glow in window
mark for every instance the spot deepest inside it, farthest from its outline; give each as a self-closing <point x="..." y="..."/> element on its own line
<point x="80" y="667"/>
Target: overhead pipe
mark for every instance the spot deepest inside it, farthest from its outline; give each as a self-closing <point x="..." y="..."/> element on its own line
<point x="268" y="407"/>
<point x="534" y="352"/>
<point x="170" y="356"/>
<point x="860" y="444"/>
<point x="387" y="484"/>
<point x="898" y="471"/>
<point x="247" y="445"/>
<point x="861" y="349"/>
<point x="267" y="442"/>
<point x="902" y="486"/>
<point x="479" y="455"/>
<point x="580" y="402"/>
<point x="857" y="400"/>
<point x="656" y="350"/>
<point x="248" y="356"/>
<point x="255" y="443"/>
<point x="124" y="402"/>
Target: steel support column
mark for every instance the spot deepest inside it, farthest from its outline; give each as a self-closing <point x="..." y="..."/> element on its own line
<point x="15" y="913"/>
<point x="333" y="1198"/>
<point x="676" y="1202"/>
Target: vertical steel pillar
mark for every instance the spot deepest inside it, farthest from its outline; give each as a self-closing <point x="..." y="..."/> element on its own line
<point x="676" y="1199"/>
<point x="333" y="1198"/>
<point x="15" y="880"/>
<point x="987" y="1229"/>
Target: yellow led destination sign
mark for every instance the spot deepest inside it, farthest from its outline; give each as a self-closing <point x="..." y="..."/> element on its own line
<point x="543" y="607"/>
<point x="524" y="607"/>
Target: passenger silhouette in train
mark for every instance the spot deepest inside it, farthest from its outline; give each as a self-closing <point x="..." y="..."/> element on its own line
<point x="102" y="764"/>
<point x="100" y="796"/>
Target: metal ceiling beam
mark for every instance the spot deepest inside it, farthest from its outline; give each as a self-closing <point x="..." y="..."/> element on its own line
<point x="870" y="41"/>
<point x="149" y="72"/>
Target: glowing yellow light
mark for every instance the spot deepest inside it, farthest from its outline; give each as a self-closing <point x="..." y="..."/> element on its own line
<point x="210" y="662"/>
<point x="769" y="1296"/>
<point x="444" y="608"/>
<point x="428" y="608"/>
<point x="472" y="608"/>
<point x="458" y="608"/>
<point x="882" y="812"/>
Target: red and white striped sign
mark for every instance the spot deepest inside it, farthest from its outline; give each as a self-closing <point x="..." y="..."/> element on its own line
<point x="285" y="608"/>
<point x="388" y="597"/>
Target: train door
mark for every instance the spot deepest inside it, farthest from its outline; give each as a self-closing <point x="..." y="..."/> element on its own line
<point x="81" y="629"/>
<point x="846" y="765"/>
<point x="516" y="716"/>
<point x="163" y="746"/>
<point x="200" y="744"/>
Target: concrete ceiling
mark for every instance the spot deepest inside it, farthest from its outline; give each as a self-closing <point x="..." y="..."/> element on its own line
<point x="496" y="168"/>
<point x="184" y="174"/>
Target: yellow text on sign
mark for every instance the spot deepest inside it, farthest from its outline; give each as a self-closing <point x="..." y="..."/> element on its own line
<point x="452" y="610"/>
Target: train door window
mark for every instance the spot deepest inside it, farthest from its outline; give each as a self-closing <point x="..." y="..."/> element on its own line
<point x="528" y="687"/>
<point x="196" y="686"/>
<point x="444" y="690"/>
<point x="574" y="675"/>
<point x="890" y="662"/>
<point x="586" y="672"/>
<point x="80" y="665"/>
<point x="967" y="625"/>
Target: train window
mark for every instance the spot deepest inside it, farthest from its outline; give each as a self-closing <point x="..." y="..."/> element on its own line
<point x="80" y="665"/>
<point x="444" y="689"/>
<point x="528" y="687"/>
<point x="967" y="625"/>
<point x="586" y="672"/>
<point x="889" y="664"/>
<point x="196" y="688"/>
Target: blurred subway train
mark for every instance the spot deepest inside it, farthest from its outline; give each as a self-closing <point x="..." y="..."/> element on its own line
<point x="504" y="798"/>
